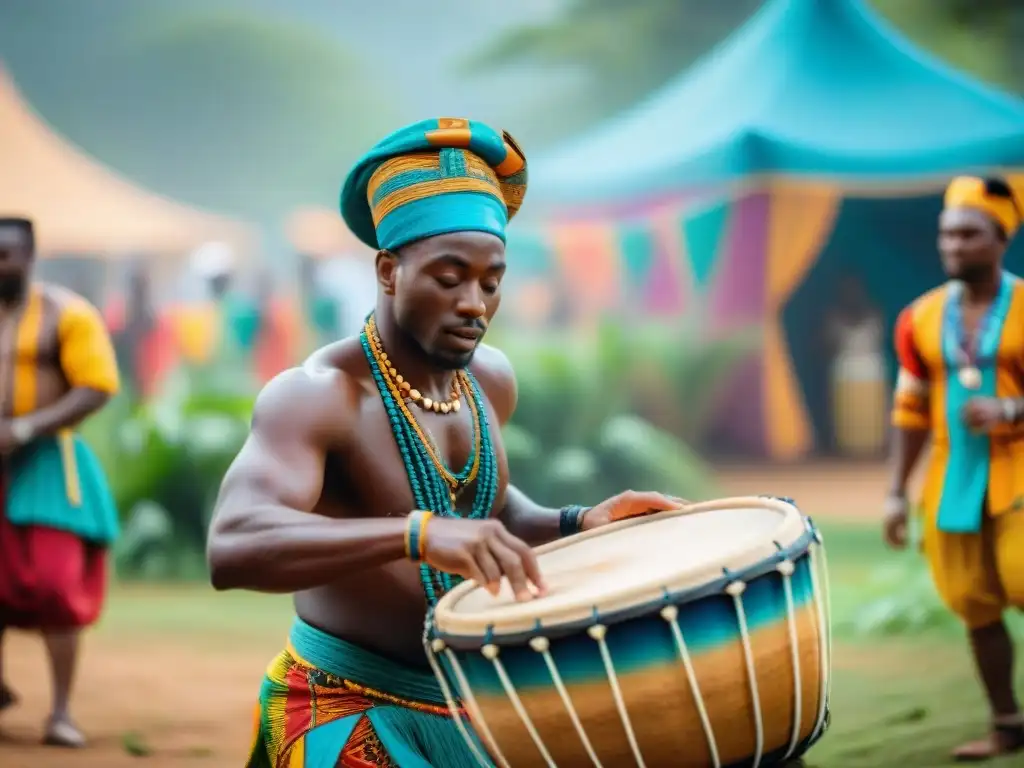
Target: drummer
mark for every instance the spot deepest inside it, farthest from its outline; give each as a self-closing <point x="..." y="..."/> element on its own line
<point x="374" y="477"/>
<point x="959" y="349"/>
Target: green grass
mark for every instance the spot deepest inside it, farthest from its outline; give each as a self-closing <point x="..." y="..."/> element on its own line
<point x="900" y="700"/>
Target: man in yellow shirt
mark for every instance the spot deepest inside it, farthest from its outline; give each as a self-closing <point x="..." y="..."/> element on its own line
<point x="57" y="366"/>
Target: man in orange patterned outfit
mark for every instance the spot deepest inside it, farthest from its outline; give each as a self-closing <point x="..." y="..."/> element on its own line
<point x="961" y="383"/>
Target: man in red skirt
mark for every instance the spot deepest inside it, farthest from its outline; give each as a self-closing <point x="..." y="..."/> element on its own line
<point x="57" y="366"/>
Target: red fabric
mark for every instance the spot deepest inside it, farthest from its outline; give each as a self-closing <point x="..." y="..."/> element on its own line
<point x="906" y="348"/>
<point x="49" y="579"/>
<point x="157" y="357"/>
<point x="278" y="344"/>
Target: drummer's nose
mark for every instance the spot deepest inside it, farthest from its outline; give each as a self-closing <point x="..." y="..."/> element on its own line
<point x="471" y="304"/>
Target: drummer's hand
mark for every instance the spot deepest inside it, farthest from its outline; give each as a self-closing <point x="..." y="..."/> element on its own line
<point x="483" y="550"/>
<point x="629" y="504"/>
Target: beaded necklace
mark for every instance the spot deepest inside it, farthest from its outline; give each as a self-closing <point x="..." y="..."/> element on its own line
<point x="435" y="487"/>
<point x="970" y="353"/>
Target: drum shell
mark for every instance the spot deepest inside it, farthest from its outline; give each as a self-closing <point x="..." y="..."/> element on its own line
<point x="655" y="685"/>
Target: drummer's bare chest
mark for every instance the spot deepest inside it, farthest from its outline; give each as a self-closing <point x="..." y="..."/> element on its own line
<point x="371" y="476"/>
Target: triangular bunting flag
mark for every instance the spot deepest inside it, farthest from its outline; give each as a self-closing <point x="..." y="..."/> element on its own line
<point x="702" y="233"/>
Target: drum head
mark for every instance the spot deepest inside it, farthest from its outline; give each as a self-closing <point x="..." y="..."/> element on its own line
<point x="627" y="564"/>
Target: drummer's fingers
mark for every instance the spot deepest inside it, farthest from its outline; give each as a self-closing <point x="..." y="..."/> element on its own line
<point x="633" y="503"/>
<point x="512" y="566"/>
<point x="529" y="560"/>
<point x="489" y="571"/>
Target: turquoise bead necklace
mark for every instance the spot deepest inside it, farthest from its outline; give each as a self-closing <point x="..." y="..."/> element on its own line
<point x="434" y="486"/>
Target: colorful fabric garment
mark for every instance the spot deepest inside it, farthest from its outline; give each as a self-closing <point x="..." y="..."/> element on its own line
<point x="56" y="481"/>
<point x="49" y="578"/>
<point x="930" y="395"/>
<point x="976" y="193"/>
<point x="146" y="359"/>
<point x="325" y="703"/>
<point x="58" y="325"/>
<point x="974" y="483"/>
<point x="435" y="177"/>
<point x="977" y="575"/>
<point x="58" y="513"/>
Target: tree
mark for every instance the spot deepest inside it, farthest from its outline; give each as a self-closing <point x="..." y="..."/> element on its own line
<point x="624" y="51"/>
<point x="621" y="51"/>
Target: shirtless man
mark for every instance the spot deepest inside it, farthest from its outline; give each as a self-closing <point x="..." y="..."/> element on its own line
<point x="322" y="500"/>
<point x="57" y="366"/>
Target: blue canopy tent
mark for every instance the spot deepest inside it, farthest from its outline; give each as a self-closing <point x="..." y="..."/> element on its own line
<point x="807" y="88"/>
<point x="798" y="123"/>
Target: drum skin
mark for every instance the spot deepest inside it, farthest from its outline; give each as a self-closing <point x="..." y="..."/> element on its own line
<point x="656" y="687"/>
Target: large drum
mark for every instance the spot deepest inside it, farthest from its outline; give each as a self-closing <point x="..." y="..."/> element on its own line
<point x="697" y="637"/>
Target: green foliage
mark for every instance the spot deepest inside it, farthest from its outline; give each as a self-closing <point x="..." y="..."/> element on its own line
<point x="900" y="599"/>
<point x="165" y="461"/>
<point x="585" y="426"/>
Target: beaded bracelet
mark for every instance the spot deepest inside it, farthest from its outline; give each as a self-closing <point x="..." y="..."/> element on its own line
<point x="1010" y="409"/>
<point x="570" y="519"/>
<point x="416" y="534"/>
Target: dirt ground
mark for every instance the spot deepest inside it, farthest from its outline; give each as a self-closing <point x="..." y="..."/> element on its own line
<point x="840" y="491"/>
<point x="158" y="684"/>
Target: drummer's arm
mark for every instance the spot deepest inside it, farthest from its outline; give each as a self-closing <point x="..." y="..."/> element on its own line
<point x="266" y="534"/>
<point x="911" y="406"/>
<point x="528" y="520"/>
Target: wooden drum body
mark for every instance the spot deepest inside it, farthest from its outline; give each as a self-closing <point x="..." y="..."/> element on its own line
<point x="697" y="637"/>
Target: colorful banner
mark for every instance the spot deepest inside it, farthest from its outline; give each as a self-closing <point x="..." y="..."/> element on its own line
<point x="668" y="284"/>
<point x="736" y="300"/>
<point x="638" y="247"/>
<point x="800" y="222"/>
<point x="588" y="256"/>
<point x="703" y="234"/>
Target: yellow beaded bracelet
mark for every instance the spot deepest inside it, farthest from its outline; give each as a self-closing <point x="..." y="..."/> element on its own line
<point x="415" y="534"/>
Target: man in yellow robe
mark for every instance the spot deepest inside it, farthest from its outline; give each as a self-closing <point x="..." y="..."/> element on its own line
<point x="961" y="384"/>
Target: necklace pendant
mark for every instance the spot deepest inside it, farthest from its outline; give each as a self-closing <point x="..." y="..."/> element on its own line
<point x="970" y="377"/>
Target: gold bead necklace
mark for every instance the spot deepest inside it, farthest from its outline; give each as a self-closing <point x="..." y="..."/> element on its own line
<point x="452" y="405"/>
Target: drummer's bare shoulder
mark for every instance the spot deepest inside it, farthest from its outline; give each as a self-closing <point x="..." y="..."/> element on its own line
<point x="317" y="397"/>
<point x="300" y="416"/>
<point x="493" y="370"/>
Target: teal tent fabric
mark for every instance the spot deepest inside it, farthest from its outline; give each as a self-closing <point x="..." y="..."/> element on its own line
<point x="528" y="254"/>
<point x="805" y="88"/>
<point x="889" y="245"/>
<point x="702" y="233"/>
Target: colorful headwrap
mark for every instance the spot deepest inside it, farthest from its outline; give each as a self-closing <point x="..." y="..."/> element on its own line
<point x="991" y="197"/>
<point x="433" y="178"/>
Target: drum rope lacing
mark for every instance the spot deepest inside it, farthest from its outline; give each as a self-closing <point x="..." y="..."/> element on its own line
<point x="670" y="613"/>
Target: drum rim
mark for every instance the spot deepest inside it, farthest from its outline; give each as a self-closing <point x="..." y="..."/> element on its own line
<point x="796" y="549"/>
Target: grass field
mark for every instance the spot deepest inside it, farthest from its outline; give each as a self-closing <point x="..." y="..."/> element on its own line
<point x="170" y="677"/>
